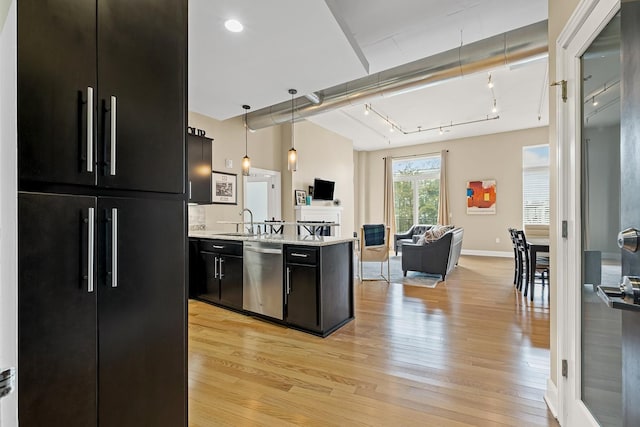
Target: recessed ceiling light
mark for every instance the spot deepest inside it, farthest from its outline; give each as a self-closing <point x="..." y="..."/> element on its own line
<point x="233" y="25"/>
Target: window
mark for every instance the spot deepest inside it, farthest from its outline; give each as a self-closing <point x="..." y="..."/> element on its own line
<point x="535" y="184"/>
<point x="416" y="191"/>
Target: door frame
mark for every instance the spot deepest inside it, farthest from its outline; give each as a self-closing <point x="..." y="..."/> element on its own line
<point x="587" y="21"/>
<point x="275" y="197"/>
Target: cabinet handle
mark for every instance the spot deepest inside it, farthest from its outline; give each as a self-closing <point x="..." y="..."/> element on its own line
<point x="220" y="270"/>
<point x="299" y="255"/>
<point x="114" y="247"/>
<point x="189" y="190"/>
<point x="89" y="129"/>
<point x="218" y="247"/>
<point x="288" y="280"/>
<point x="90" y="251"/>
<point x="215" y="268"/>
<point x="114" y="102"/>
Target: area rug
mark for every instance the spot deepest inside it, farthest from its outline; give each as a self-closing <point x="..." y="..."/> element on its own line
<point x="371" y="270"/>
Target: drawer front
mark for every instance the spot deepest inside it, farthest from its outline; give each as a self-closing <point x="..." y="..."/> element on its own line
<point x="226" y="247"/>
<point x="302" y="255"/>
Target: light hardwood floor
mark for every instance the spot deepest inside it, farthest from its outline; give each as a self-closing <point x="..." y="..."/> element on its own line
<point x="472" y="351"/>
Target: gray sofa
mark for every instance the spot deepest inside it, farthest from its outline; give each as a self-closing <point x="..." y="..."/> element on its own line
<point x="439" y="257"/>
<point x="408" y="237"/>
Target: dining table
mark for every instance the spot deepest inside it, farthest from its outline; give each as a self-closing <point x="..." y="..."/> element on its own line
<point x="535" y="245"/>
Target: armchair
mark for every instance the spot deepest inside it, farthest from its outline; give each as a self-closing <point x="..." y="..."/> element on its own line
<point x="407" y="237"/>
<point x="375" y="253"/>
<point x="438" y="257"/>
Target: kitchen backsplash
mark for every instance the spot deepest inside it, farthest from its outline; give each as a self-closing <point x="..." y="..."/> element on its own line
<point x="197" y="218"/>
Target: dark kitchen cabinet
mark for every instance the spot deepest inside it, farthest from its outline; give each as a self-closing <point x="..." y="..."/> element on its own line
<point x="101" y="311"/>
<point x="101" y="93"/>
<point x="318" y="287"/>
<point x="102" y="212"/>
<point x="141" y="312"/>
<point x="57" y="313"/>
<point x="222" y="263"/>
<point x="199" y="168"/>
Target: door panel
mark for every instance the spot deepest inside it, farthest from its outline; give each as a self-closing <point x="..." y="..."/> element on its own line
<point x="231" y="282"/>
<point x="149" y="90"/>
<point x="56" y="65"/>
<point x="199" y="169"/>
<point x="302" y="301"/>
<point x="56" y="312"/>
<point x="211" y="288"/>
<point x="142" y="332"/>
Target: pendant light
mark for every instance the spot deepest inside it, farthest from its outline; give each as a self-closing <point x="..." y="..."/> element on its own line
<point x="246" y="161"/>
<point x="293" y="154"/>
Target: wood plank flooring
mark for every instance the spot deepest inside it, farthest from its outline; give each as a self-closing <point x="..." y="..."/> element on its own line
<point x="472" y="351"/>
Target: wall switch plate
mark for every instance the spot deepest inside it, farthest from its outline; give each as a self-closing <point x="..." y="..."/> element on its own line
<point x="497" y="240"/>
<point x="228" y="163"/>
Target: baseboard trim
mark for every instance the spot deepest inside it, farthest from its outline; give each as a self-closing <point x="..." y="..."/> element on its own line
<point x="499" y="254"/>
<point x="551" y="397"/>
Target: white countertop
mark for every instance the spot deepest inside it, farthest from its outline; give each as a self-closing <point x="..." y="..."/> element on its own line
<point x="287" y="239"/>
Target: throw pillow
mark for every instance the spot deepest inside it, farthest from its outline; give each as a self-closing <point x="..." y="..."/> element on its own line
<point x="435" y="232"/>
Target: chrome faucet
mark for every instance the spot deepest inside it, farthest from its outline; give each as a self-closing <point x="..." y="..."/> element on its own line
<point x="250" y="230"/>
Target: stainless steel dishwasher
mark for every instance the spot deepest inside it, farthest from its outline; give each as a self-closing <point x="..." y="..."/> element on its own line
<point x="262" y="290"/>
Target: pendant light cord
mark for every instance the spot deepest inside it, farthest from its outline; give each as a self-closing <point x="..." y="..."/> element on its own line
<point x="293" y="139"/>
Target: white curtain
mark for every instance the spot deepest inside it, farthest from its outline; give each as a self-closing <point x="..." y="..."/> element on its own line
<point x="389" y="205"/>
<point x="443" y="202"/>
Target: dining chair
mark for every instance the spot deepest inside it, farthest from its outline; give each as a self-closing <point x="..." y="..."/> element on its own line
<point x="517" y="260"/>
<point x="540" y="265"/>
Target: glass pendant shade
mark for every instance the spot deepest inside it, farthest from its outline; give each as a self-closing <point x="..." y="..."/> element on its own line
<point x="292" y="160"/>
<point x="246" y="165"/>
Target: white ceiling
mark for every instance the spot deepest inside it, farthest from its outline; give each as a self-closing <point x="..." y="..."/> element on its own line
<point x="311" y="45"/>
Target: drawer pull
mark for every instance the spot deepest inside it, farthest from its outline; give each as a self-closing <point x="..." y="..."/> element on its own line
<point x="299" y="255"/>
<point x="218" y="247"/>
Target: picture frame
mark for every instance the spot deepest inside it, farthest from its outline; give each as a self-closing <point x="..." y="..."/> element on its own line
<point x="225" y="188"/>
<point x="300" y="197"/>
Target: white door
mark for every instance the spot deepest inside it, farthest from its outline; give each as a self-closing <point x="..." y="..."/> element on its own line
<point x="588" y="199"/>
<point x="262" y="194"/>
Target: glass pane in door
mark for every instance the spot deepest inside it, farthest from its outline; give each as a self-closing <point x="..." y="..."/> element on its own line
<point x="601" y="340"/>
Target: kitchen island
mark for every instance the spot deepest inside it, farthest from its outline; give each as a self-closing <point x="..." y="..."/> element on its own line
<point x="303" y="282"/>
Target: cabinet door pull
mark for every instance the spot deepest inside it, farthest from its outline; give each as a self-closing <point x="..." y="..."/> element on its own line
<point x="90" y="249"/>
<point x="299" y="255"/>
<point x="288" y="280"/>
<point x="215" y="268"/>
<point x="190" y="190"/>
<point x="114" y="102"/>
<point x="218" y="247"/>
<point x="89" y="129"/>
<point x="220" y="270"/>
<point x="114" y="247"/>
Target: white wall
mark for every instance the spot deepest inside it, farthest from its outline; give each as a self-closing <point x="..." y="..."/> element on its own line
<point x="8" y="207"/>
<point x="497" y="156"/>
<point x="329" y="156"/>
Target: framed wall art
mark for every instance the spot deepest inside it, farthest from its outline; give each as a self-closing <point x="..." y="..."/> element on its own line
<point x="481" y="197"/>
<point x="225" y="188"/>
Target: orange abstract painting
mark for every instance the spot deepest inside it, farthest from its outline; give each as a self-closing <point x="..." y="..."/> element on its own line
<point x="481" y="197"/>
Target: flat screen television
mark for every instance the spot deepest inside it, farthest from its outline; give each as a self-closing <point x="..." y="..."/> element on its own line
<point x="323" y="190"/>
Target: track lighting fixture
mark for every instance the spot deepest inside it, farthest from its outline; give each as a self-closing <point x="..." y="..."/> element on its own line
<point x="495" y="108"/>
<point x="292" y="156"/>
<point x="246" y="161"/>
<point x="593" y="101"/>
<point x="490" y="83"/>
